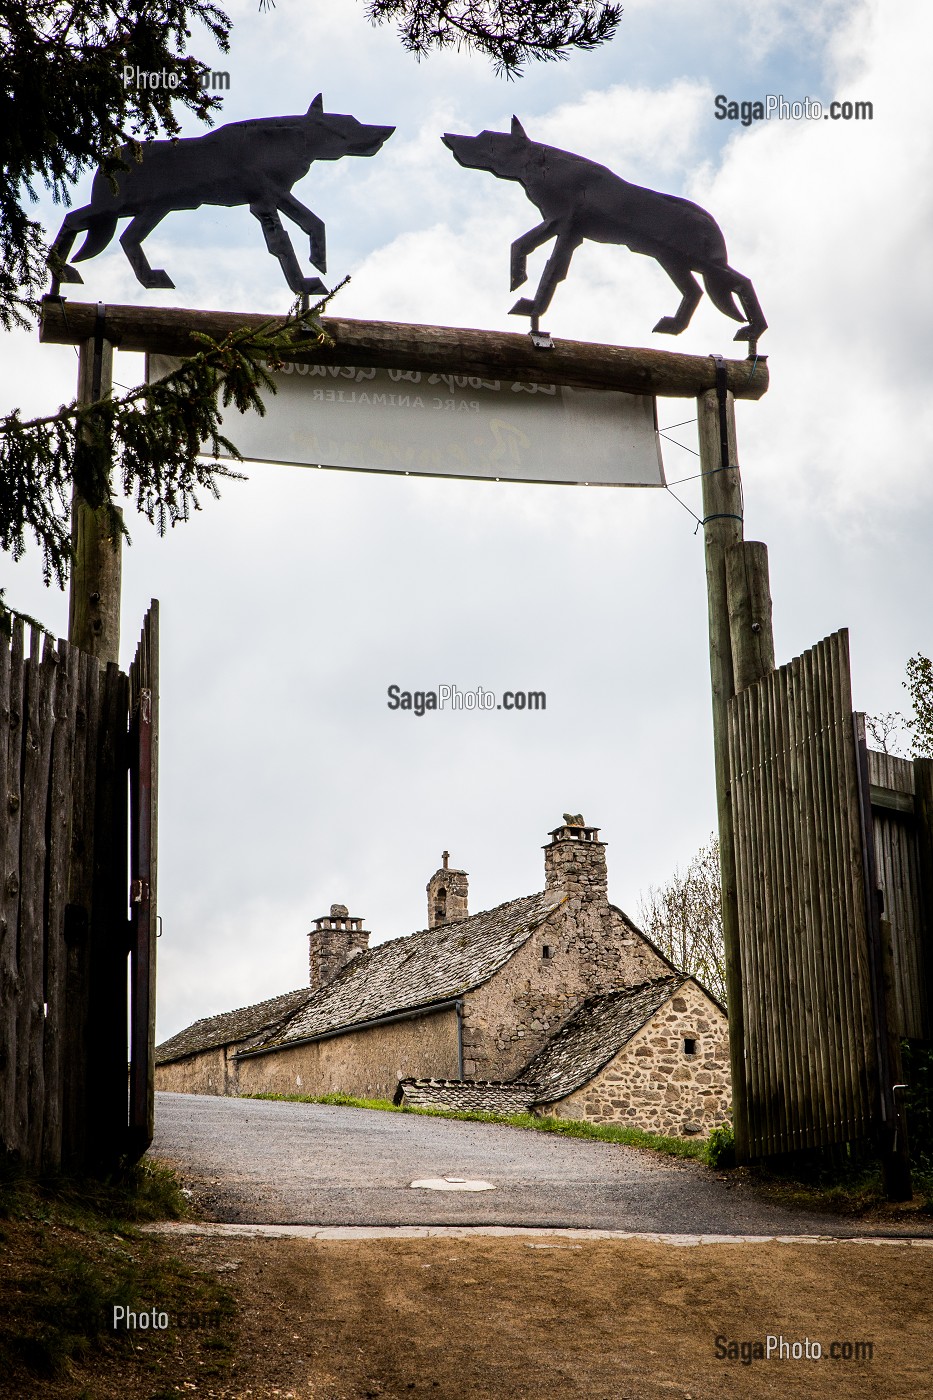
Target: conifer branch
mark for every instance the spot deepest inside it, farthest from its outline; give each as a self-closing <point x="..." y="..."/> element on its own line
<point x="161" y="441"/>
<point x="510" y="32"/>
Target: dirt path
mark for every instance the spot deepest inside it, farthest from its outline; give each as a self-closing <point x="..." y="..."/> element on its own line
<point x="513" y="1318"/>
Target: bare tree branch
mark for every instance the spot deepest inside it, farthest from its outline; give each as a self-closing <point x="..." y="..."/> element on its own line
<point x="684" y="919"/>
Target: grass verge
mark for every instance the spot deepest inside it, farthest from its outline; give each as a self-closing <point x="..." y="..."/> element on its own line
<point x="71" y="1255"/>
<point x="568" y="1127"/>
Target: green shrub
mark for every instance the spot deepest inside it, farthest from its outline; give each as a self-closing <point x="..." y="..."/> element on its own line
<point x="720" y="1147"/>
<point x="918" y="1073"/>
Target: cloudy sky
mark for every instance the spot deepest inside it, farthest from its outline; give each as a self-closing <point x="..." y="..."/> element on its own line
<point x="291" y="605"/>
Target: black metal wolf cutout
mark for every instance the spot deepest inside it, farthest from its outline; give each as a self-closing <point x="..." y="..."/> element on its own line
<point x="252" y="162"/>
<point x="579" y="199"/>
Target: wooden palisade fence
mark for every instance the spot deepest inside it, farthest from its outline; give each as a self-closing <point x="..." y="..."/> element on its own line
<point x="68" y="760"/>
<point x="826" y="834"/>
<point x="803" y="910"/>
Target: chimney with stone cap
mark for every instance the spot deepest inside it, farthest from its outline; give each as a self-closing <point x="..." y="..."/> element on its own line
<point x="575" y="861"/>
<point x="447" y="894"/>
<point x="332" y="943"/>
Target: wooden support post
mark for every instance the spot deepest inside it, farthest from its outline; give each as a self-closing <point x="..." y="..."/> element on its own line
<point x="898" y="1185"/>
<point x="749" y="597"/>
<point x="895" y="1164"/>
<point x="94" y="600"/>
<point x="923" y="805"/>
<point x="722" y="529"/>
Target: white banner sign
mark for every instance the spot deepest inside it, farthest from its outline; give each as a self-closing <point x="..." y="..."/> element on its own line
<point x="422" y="424"/>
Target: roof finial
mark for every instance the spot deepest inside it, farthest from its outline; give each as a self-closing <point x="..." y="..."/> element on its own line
<point x="445" y="857"/>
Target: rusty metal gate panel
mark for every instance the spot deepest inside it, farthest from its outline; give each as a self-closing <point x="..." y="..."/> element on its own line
<point x="805" y="935"/>
<point x="144" y="787"/>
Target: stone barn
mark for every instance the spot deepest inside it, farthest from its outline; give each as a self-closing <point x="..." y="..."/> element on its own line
<point x="554" y="999"/>
<point x="655" y="1057"/>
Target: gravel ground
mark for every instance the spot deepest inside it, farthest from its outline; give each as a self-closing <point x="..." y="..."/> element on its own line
<point x="260" y="1161"/>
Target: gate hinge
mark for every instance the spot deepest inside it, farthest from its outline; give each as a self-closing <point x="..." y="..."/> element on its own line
<point x="139" y="891"/>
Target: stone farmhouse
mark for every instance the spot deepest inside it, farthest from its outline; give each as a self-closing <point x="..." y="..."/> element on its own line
<point x="553" y="1003"/>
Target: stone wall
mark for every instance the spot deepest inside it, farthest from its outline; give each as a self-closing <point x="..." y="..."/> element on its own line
<point x="584" y="947"/>
<point x="653" y="1083"/>
<point x="210" y="1072"/>
<point x="366" y="1064"/>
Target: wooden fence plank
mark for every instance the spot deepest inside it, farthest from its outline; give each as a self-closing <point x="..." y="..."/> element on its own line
<point x="107" y="1011"/>
<point x="37" y="749"/>
<point x="923" y="777"/>
<point x="828" y="933"/>
<point x="144" y="728"/>
<point x="15" y="1125"/>
<point x="79" y="913"/>
<point x="9" y="871"/>
<point x="898" y="865"/>
<point x="59" y="855"/>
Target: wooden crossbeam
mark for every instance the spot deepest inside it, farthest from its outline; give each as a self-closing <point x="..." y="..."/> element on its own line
<point x="437" y="349"/>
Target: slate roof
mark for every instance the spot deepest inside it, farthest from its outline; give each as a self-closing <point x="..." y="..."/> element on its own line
<point x="467" y="1095"/>
<point x="231" y="1027"/>
<point x="419" y="969"/>
<point x="593" y="1034"/>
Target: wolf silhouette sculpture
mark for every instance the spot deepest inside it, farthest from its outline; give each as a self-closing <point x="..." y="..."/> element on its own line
<point x="252" y="162"/>
<point x="579" y="199"/>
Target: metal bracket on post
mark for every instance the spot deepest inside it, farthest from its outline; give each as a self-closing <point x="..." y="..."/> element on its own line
<point x="720" y="364"/>
<point x="139" y="892"/>
<point x="724" y="463"/>
<point x="97" y="368"/>
<point x="540" y="339"/>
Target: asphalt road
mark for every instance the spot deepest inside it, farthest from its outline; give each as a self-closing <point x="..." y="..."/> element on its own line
<point x="259" y="1161"/>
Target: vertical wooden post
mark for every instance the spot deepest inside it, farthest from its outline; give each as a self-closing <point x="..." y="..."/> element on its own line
<point x="79" y="1085"/>
<point x="749" y="597"/>
<point x="895" y="1162"/>
<point x="897" y="1169"/>
<point x="923" y="805"/>
<point x="722" y="528"/>
<point x="94" y="600"/>
<point x="106" y="1045"/>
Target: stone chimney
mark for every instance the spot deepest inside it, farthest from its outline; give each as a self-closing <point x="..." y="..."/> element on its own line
<point x="447" y="894"/>
<point x="334" y="940"/>
<point x="575" y="861"/>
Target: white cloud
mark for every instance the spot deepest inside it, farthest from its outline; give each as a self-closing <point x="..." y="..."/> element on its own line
<point x="289" y="606"/>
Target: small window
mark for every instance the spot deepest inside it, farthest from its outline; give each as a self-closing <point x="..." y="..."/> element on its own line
<point x="545" y="951"/>
<point x="690" y="1046"/>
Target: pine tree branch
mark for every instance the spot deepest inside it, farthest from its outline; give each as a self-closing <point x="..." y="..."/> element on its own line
<point x="161" y="441"/>
<point x="510" y="32"/>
